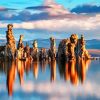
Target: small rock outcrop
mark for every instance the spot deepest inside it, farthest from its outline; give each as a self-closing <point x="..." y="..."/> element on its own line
<point x="26" y="51"/>
<point x="20" y="48"/>
<point x="35" y="51"/>
<point x="43" y="54"/>
<point x="52" y="50"/>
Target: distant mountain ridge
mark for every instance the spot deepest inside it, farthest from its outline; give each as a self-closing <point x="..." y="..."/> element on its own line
<point x="93" y="44"/>
<point x="90" y="44"/>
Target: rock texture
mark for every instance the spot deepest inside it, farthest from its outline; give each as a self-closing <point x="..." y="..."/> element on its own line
<point x="10" y="49"/>
<point x="27" y="51"/>
<point x="20" y="48"/>
<point x="35" y="51"/>
<point x="73" y="48"/>
<point x="68" y="49"/>
<point x="52" y="50"/>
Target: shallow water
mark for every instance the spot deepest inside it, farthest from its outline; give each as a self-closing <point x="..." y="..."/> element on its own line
<point x="50" y="80"/>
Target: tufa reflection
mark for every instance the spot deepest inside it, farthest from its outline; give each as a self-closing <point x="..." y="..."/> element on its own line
<point x="27" y="65"/>
<point x="83" y="68"/>
<point x="53" y="70"/>
<point x="20" y="69"/>
<point x="43" y="64"/>
<point x="74" y="70"/>
<point x="35" y="67"/>
<point x="11" y="77"/>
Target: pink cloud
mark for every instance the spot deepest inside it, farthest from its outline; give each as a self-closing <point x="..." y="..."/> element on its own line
<point x="55" y="9"/>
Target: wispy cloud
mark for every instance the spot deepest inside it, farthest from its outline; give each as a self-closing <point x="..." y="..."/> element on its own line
<point x="5" y="9"/>
<point x="49" y="10"/>
<point x="38" y="7"/>
<point x="69" y="22"/>
<point x="52" y="17"/>
<point x="87" y="8"/>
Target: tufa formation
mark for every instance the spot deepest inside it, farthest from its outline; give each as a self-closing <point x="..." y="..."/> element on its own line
<point x="10" y="48"/>
<point x="68" y="49"/>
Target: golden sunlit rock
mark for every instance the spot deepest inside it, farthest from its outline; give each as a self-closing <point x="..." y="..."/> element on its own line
<point x="10" y="49"/>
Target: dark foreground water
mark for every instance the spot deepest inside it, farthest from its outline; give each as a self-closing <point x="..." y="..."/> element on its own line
<point x="74" y="80"/>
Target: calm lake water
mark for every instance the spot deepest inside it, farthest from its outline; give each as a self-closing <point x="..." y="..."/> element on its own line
<point x="55" y="80"/>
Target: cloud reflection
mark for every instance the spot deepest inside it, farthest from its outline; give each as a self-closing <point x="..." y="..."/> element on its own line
<point x="57" y="91"/>
<point x="69" y="71"/>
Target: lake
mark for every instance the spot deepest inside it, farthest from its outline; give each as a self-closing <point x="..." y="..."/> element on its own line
<point x="50" y="80"/>
<point x="73" y="80"/>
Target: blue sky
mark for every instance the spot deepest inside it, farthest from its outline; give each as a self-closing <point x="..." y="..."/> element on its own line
<point x="20" y="4"/>
<point x="56" y="16"/>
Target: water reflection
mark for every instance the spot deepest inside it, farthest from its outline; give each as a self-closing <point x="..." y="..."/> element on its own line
<point x="35" y="66"/>
<point x="20" y="70"/>
<point x="53" y="70"/>
<point x="43" y="65"/>
<point x="27" y="65"/>
<point x="73" y="71"/>
<point x="11" y="77"/>
<point x="83" y="68"/>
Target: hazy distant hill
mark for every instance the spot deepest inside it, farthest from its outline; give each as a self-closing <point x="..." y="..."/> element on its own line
<point x="90" y="44"/>
<point x="93" y="44"/>
<point x="2" y="42"/>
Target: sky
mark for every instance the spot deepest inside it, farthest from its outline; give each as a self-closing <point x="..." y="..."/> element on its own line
<point x="20" y="4"/>
<point x="52" y="16"/>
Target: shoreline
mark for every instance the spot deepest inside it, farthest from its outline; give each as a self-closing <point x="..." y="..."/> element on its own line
<point x="94" y="52"/>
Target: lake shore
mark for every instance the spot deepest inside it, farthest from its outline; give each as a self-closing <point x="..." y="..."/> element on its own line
<point x="94" y="52"/>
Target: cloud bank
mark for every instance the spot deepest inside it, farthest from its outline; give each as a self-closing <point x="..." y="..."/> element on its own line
<point x="82" y="23"/>
<point x="53" y="17"/>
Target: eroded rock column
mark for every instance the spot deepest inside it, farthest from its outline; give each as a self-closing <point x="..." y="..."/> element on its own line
<point x="11" y="43"/>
